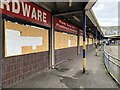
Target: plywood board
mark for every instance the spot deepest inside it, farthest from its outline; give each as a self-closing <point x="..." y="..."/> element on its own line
<point x="27" y="39"/>
<point x="73" y="39"/>
<point x="65" y="40"/>
<point x="81" y="40"/>
<point x="90" y="41"/>
<point x="86" y="41"/>
<point x="61" y="40"/>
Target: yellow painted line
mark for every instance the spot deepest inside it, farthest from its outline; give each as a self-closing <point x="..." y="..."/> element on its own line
<point x="84" y="45"/>
<point x="84" y="63"/>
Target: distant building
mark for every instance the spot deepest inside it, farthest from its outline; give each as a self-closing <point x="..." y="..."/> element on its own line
<point x="114" y="32"/>
<point x="111" y="30"/>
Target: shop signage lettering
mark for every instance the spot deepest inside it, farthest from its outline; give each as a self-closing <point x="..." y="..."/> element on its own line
<point x="64" y="26"/>
<point x="81" y="32"/>
<point x="25" y="10"/>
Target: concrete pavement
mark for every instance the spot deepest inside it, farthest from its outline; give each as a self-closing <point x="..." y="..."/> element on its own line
<point x="69" y="75"/>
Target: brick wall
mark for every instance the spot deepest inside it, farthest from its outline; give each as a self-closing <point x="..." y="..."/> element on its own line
<point x="18" y="68"/>
<point x="64" y="54"/>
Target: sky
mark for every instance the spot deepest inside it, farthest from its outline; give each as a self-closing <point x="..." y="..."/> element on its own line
<point x="106" y="12"/>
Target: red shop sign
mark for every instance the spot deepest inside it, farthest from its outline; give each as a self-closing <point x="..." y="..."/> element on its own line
<point x="25" y="10"/>
<point x="81" y="32"/>
<point x="91" y="36"/>
<point x="64" y="26"/>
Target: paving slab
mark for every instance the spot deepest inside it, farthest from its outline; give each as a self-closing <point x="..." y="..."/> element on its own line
<point x="69" y="75"/>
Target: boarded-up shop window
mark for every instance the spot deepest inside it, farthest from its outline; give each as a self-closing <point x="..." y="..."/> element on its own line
<point x="65" y="40"/>
<point x="21" y="39"/>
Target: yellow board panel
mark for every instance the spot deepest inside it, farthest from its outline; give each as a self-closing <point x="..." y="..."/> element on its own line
<point x="73" y="39"/>
<point x="28" y="31"/>
<point x="93" y="40"/>
<point x="86" y="41"/>
<point x="90" y="41"/>
<point x="81" y="40"/>
<point x="27" y="49"/>
<point x="62" y="39"/>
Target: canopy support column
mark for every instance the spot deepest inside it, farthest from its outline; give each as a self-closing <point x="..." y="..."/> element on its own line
<point x="96" y="44"/>
<point x="84" y="41"/>
<point x="52" y="57"/>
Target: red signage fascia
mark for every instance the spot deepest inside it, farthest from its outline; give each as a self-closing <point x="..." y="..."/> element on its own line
<point x="64" y="26"/>
<point x="81" y="32"/>
<point x="91" y="36"/>
<point x="26" y="10"/>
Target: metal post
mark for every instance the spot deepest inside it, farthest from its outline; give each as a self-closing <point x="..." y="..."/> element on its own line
<point x="1" y="47"/>
<point x="93" y="41"/>
<point x="96" y="44"/>
<point x="84" y="41"/>
<point x="100" y="36"/>
<point x="100" y="43"/>
<point x="78" y="43"/>
<point x="52" y="58"/>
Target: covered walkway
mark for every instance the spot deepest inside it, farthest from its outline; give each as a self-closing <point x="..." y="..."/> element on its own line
<point x="34" y="41"/>
<point x="69" y="75"/>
